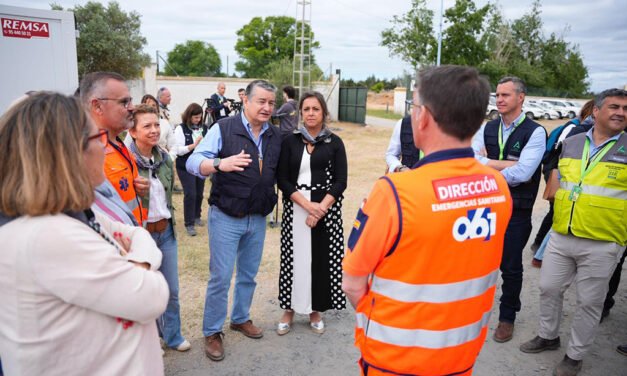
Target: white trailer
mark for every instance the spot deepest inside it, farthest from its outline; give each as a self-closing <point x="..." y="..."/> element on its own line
<point x="38" y="52"/>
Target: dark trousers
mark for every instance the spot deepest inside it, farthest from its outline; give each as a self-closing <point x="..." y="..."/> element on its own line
<point x="614" y="282"/>
<point x="547" y="222"/>
<point x="516" y="236"/>
<point x="193" y="187"/>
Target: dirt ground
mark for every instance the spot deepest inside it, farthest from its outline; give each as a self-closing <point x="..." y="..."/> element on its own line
<point x="301" y="352"/>
<point x="380" y="101"/>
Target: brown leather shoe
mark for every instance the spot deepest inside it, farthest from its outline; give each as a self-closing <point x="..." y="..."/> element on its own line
<point x="213" y="347"/>
<point x="504" y="332"/>
<point x="536" y="263"/>
<point x="248" y="329"/>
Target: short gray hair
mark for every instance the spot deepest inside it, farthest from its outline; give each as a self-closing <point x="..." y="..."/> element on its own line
<point x="263" y="84"/>
<point x="94" y="82"/>
<point x="600" y="98"/>
<point x="519" y="84"/>
<point x="160" y="93"/>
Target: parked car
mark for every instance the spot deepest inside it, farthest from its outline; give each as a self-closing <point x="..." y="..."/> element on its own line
<point x="562" y="108"/>
<point x="547" y="107"/>
<point x="532" y="111"/>
<point x="546" y="112"/>
<point x="492" y="112"/>
<point x="575" y="106"/>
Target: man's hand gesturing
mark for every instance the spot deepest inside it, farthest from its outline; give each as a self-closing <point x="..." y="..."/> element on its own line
<point x="235" y="162"/>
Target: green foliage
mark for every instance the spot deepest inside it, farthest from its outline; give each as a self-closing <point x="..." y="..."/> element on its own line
<point x="484" y="39"/>
<point x="262" y="42"/>
<point x="110" y="39"/>
<point x="461" y="41"/>
<point x="280" y="73"/>
<point x="371" y="80"/>
<point x="411" y="36"/>
<point x="193" y="58"/>
<point x="377" y="87"/>
<point x="385" y="114"/>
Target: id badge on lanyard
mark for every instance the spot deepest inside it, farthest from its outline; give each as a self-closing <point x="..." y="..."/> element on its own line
<point x="574" y="193"/>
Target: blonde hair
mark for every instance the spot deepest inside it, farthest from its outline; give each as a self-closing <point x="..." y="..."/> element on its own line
<point x="43" y="170"/>
<point x="143" y="109"/>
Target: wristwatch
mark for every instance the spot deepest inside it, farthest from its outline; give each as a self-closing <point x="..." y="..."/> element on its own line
<point x="216" y="163"/>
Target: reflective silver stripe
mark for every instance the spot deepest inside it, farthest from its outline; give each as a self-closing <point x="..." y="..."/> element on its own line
<point x="132" y="204"/>
<point x="596" y="190"/>
<point x="430" y="339"/>
<point x="434" y="293"/>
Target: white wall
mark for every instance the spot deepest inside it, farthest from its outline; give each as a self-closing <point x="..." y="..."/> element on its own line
<point x="399" y="100"/>
<point x="186" y="90"/>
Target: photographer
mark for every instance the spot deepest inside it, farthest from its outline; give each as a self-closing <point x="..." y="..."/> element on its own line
<point x="288" y="113"/>
<point x="220" y="105"/>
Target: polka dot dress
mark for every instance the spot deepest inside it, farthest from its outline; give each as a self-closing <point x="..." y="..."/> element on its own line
<point x="319" y="251"/>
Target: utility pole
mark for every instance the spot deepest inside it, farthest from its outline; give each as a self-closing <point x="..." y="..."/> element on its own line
<point x="440" y="36"/>
<point x="302" y="48"/>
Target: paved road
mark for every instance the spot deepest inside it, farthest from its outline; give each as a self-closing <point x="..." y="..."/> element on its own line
<point x="380" y="122"/>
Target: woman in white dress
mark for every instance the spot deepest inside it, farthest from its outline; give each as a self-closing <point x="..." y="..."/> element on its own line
<point x="312" y="175"/>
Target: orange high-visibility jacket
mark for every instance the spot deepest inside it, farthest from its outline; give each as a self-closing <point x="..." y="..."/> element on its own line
<point x="432" y="238"/>
<point x="121" y="170"/>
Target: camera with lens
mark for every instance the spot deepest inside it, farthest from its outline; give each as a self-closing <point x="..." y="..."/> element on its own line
<point x="236" y="106"/>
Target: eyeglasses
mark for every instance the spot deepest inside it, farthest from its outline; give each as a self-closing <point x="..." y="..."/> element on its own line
<point x="125" y="102"/>
<point x="102" y="135"/>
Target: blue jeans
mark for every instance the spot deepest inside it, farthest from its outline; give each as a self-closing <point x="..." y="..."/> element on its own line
<point x="232" y="242"/>
<point x="540" y="252"/>
<point x="170" y="322"/>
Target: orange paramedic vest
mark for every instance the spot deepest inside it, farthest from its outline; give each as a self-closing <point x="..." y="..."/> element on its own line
<point x="121" y="170"/>
<point x="429" y="299"/>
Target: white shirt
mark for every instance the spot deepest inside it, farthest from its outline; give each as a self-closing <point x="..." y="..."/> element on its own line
<point x="179" y="147"/>
<point x="393" y="154"/>
<point x="158" y="204"/>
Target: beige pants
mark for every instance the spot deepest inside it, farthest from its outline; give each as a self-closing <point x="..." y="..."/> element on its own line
<point x="587" y="263"/>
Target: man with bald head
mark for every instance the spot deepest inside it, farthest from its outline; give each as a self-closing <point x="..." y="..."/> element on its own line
<point x="220" y="106"/>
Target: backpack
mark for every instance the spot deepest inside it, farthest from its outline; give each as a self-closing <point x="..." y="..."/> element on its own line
<point x="556" y="137"/>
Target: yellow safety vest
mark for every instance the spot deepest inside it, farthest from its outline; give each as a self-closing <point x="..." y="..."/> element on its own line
<point x="591" y="202"/>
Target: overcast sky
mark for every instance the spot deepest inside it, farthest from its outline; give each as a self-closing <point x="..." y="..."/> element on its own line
<point x="349" y="30"/>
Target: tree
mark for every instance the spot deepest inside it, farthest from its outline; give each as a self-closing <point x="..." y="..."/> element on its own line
<point x="411" y="38"/>
<point x="462" y="41"/>
<point x="193" y="58"/>
<point x="109" y="39"/>
<point x="264" y="41"/>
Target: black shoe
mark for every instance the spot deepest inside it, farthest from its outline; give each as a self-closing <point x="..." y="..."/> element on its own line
<point x="604" y="314"/>
<point x="539" y="344"/>
<point x="622" y="349"/>
<point x="191" y="231"/>
<point x="199" y="222"/>
<point x="568" y="367"/>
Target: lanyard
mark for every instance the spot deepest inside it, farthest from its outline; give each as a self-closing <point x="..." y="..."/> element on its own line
<point x="586" y="164"/>
<point x="501" y="143"/>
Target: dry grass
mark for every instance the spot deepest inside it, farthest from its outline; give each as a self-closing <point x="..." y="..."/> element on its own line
<point x="365" y="147"/>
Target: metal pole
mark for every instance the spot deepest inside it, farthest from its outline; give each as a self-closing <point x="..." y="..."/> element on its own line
<point x="302" y="50"/>
<point x="440" y="36"/>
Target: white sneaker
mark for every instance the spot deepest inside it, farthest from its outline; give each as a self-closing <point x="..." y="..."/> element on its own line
<point x="184" y="346"/>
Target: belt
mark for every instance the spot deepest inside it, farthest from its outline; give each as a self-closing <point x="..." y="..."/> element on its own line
<point x="158" y="226"/>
